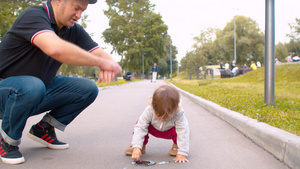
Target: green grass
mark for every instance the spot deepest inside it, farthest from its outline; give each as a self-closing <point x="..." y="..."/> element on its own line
<point x="245" y="94"/>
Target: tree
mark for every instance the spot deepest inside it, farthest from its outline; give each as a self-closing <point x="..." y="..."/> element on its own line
<point x="193" y="62"/>
<point x="165" y="67"/>
<point x="204" y="44"/>
<point x="135" y="31"/>
<point x="249" y="41"/>
<point x="186" y="63"/>
<point x="11" y="9"/>
<point x="294" y="44"/>
<point x="281" y="51"/>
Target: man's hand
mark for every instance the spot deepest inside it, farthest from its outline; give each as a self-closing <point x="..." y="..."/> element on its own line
<point x="136" y="154"/>
<point x="109" y="69"/>
<point x="180" y="159"/>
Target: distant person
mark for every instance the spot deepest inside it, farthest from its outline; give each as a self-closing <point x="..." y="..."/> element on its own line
<point x="154" y="72"/>
<point x="244" y="68"/>
<point x="233" y="64"/>
<point x="253" y="66"/>
<point x="296" y="58"/>
<point x="226" y="65"/>
<point x="277" y="61"/>
<point x="289" y="58"/>
<point x="221" y="65"/>
<point x="234" y="71"/>
<point x="127" y="75"/>
<point x="163" y="118"/>
<point x="258" y="64"/>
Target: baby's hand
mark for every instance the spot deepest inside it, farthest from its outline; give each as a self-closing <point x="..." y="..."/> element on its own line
<point x="136" y="154"/>
<point x="180" y="159"/>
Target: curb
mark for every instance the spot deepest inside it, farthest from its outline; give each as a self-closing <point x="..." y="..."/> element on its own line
<point x="283" y="145"/>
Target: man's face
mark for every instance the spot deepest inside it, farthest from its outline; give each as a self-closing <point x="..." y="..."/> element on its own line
<point x="69" y="12"/>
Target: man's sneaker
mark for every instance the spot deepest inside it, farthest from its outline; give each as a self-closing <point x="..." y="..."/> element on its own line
<point x="46" y="136"/>
<point x="10" y="154"/>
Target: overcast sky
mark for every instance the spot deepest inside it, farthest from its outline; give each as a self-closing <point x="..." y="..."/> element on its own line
<point x="186" y="18"/>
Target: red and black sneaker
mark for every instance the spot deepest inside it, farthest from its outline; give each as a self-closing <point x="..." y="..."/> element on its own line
<point x="46" y="136"/>
<point x="10" y="154"/>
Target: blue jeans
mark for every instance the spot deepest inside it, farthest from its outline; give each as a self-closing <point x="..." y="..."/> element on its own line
<point x="25" y="96"/>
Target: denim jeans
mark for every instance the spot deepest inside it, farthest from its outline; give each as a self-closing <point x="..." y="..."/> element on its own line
<point x="25" y="96"/>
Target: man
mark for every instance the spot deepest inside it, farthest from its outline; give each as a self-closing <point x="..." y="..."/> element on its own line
<point x="258" y="64"/>
<point x="289" y="58"/>
<point x="296" y="58"/>
<point x="221" y="65"/>
<point x="233" y="64"/>
<point x="31" y="52"/>
<point x="154" y="72"/>
<point x="226" y="65"/>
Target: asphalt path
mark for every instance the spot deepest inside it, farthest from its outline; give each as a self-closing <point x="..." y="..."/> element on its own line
<point x="99" y="136"/>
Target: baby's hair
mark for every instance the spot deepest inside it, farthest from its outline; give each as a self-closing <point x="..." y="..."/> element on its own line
<point x="165" y="101"/>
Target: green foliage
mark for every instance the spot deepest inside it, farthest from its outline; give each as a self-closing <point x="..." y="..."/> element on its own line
<point x="294" y="44"/>
<point x="214" y="45"/>
<point x="281" y="51"/>
<point x="192" y="62"/>
<point x="202" y="54"/>
<point x="135" y="30"/>
<point x="249" y="41"/>
<point x="245" y="94"/>
<point x="204" y="46"/>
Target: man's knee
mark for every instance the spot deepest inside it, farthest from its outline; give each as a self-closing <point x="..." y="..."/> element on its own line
<point x="93" y="88"/>
<point x="32" y="88"/>
<point x="90" y="88"/>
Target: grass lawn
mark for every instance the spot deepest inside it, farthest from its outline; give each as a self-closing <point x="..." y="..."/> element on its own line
<point x="245" y="94"/>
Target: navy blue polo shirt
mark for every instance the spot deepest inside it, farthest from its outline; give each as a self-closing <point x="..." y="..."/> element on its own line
<point x="18" y="54"/>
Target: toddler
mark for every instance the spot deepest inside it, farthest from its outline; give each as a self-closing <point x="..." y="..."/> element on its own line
<point x="163" y="118"/>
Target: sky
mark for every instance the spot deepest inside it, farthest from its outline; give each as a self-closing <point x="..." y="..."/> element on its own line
<point x="186" y="18"/>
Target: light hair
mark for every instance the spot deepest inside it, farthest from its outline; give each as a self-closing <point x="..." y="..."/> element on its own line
<point x="165" y="101"/>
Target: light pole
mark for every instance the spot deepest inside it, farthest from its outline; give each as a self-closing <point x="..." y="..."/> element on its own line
<point x="234" y="40"/>
<point x="270" y="52"/>
<point x="170" y="57"/>
<point x="234" y="35"/>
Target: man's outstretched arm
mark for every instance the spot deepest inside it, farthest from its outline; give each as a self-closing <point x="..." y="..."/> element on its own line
<point x="66" y="52"/>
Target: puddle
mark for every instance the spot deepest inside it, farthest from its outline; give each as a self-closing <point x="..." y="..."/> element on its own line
<point x="145" y="163"/>
<point x="149" y="163"/>
<point x="163" y="162"/>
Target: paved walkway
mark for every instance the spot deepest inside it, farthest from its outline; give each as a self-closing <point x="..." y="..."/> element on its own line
<point x="99" y="136"/>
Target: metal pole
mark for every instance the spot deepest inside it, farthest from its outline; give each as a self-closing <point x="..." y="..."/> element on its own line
<point x="270" y="53"/>
<point x="234" y="40"/>
<point x="170" y="58"/>
<point x="143" y="65"/>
